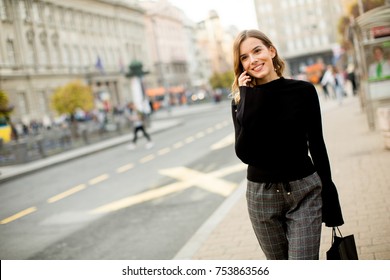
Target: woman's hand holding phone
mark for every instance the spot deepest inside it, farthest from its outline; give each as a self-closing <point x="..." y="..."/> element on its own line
<point x="244" y="79"/>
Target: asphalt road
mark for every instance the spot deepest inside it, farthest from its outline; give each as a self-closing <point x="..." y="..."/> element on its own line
<point x="120" y="204"/>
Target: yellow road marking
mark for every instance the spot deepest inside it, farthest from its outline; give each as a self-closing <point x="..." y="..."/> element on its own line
<point x="218" y="126"/>
<point x="199" y="179"/>
<point x="210" y="130"/>
<point x="124" y="168"/>
<point x="178" y="145"/>
<point x="163" y="151"/>
<point x="18" y="215"/>
<point x="98" y="179"/>
<point x="200" y="134"/>
<point x="66" y="193"/>
<point x="139" y="198"/>
<point x="147" y="158"/>
<point x="188" y="177"/>
<point x="224" y="142"/>
<point x="189" y="139"/>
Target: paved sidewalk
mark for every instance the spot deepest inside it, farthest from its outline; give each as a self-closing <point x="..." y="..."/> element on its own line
<point x="361" y="171"/>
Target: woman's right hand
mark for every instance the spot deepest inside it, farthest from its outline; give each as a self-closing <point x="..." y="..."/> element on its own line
<point x="244" y="79"/>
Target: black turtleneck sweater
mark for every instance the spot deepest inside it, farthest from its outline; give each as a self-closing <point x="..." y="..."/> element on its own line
<point x="276" y="125"/>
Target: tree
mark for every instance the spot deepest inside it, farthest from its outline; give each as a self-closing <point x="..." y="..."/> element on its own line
<point x="74" y="95"/>
<point x="5" y="107"/>
<point x="222" y="80"/>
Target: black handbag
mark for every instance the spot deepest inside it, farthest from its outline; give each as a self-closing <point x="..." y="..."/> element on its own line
<point x="342" y="248"/>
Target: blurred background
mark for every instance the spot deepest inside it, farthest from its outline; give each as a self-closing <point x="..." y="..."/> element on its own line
<point x="69" y="69"/>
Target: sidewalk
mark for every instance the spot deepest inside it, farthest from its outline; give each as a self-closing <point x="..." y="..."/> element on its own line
<point x="360" y="170"/>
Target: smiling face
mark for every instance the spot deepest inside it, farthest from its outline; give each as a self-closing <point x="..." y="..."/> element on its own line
<point x="256" y="59"/>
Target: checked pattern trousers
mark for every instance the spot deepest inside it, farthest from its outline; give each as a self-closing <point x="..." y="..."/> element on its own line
<point x="287" y="220"/>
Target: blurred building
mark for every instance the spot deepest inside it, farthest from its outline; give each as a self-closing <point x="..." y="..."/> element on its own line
<point x="46" y="44"/>
<point x="213" y="41"/>
<point x="304" y="31"/>
<point x="167" y="48"/>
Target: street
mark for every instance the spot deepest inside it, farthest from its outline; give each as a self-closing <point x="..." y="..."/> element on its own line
<point x="124" y="204"/>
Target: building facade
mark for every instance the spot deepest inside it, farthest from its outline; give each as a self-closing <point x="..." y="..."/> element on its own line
<point x="304" y="31"/>
<point x="46" y="44"/>
<point x="167" y="48"/>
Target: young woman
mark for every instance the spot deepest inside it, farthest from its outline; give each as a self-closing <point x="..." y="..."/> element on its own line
<point x="277" y="122"/>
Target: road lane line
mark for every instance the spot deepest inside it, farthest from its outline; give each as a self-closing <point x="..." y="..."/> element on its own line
<point x="178" y="145"/>
<point x="147" y="158"/>
<point x="163" y="151"/>
<point x="200" y="134"/>
<point x="18" y="215"/>
<point x="224" y="142"/>
<point x="125" y="168"/>
<point x="218" y="126"/>
<point x="140" y="198"/>
<point x="210" y="130"/>
<point x="189" y="139"/>
<point x="66" y="193"/>
<point x="98" y="179"/>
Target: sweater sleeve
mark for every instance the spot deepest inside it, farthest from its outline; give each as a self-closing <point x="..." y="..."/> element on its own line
<point x="316" y="141"/>
<point x="331" y="210"/>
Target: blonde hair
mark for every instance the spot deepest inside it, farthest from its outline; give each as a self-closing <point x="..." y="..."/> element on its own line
<point x="277" y="62"/>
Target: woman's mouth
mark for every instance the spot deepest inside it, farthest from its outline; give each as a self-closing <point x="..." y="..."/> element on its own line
<point x="258" y="68"/>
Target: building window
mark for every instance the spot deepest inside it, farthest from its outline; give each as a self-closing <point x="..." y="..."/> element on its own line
<point x="36" y="13"/>
<point x="23" y="103"/>
<point x="30" y="54"/>
<point x="43" y="102"/>
<point x="11" y="55"/>
<point x="67" y="56"/>
<point x="77" y="55"/>
<point x="24" y="11"/>
<point x="43" y="57"/>
<point x="4" y="10"/>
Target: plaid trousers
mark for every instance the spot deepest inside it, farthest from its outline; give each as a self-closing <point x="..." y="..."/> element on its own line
<point x="287" y="217"/>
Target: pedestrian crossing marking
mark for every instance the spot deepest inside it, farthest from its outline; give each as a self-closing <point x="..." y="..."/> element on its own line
<point x="187" y="178"/>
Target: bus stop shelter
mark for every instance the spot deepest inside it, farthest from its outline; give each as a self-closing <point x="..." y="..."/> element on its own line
<point x="371" y="38"/>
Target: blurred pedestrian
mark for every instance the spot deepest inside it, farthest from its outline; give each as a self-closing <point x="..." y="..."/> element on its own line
<point x="136" y="117"/>
<point x="277" y="122"/>
<point x="339" y="84"/>
<point x="351" y="76"/>
<point x="328" y="82"/>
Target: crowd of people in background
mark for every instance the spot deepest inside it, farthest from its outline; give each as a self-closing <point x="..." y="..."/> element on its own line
<point x="101" y="118"/>
<point x="334" y="82"/>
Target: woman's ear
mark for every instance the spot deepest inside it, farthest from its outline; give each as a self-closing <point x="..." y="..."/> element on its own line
<point x="272" y="51"/>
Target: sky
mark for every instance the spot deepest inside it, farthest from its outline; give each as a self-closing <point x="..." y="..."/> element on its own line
<point x="240" y="13"/>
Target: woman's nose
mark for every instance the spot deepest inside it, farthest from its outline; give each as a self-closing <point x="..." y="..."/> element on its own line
<point x="252" y="58"/>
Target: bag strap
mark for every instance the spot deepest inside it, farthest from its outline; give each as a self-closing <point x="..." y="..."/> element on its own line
<point x="335" y="234"/>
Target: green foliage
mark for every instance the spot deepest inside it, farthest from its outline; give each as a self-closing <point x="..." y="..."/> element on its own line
<point x="222" y="80"/>
<point x="5" y="108"/>
<point x="72" y="96"/>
